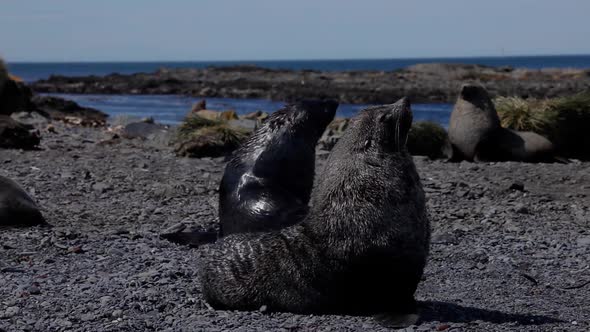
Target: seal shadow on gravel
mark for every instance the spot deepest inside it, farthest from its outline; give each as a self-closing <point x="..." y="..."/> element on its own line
<point x="455" y="313"/>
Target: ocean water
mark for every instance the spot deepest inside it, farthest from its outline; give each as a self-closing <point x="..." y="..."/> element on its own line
<point x="35" y="71"/>
<point x="171" y="109"/>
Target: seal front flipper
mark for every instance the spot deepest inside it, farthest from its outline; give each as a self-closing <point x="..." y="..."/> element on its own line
<point x="192" y="239"/>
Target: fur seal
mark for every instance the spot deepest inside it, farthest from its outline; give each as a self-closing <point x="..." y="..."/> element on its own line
<point x="362" y="247"/>
<point x="17" y="208"/>
<point x="473" y="119"/>
<point x="268" y="181"/>
<point x="476" y="134"/>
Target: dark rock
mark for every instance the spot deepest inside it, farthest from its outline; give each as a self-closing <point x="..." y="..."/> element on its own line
<point x="14" y="135"/>
<point x="421" y="83"/>
<point x="200" y="105"/>
<point x="14" y="97"/>
<point x="69" y="112"/>
<point x="29" y="118"/>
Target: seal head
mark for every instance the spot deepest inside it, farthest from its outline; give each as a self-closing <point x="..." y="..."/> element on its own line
<point x="268" y="182"/>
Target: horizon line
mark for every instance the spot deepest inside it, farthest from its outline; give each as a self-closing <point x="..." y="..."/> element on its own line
<point x="302" y="60"/>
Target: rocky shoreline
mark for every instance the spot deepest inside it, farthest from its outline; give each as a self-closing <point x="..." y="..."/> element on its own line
<point x="510" y="248"/>
<point x="423" y="83"/>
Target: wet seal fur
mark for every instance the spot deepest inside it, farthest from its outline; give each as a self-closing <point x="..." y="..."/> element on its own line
<point x="475" y="132"/>
<point x="268" y="181"/>
<point x="17" y="208"/>
<point x="362" y="247"/>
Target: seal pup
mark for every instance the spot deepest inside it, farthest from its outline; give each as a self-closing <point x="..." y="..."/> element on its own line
<point x="17" y="208"/>
<point x="362" y="247"/>
<point x="476" y="134"/>
<point x="268" y="181"/>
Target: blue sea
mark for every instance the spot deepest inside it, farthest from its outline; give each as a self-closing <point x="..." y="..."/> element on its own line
<point x="172" y="109"/>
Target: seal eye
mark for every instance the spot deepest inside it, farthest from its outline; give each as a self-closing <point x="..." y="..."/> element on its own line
<point x="368" y="143"/>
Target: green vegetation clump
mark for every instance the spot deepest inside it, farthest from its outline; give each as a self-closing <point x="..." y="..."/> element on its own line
<point x="199" y="137"/>
<point x="565" y="120"/>
<point x="524" y="114"/>
<point x="427" y="138"/>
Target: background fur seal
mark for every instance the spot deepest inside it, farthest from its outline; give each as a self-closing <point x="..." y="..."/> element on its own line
<point x="362" y="247"/>
<point x="476" y="134"/>
<point x="473" y="119"/>
<point x="17" y="208"/>
<point x="267" y="183"/>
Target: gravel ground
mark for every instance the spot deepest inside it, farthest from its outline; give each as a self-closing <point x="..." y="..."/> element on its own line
<point x="510" y="250"/>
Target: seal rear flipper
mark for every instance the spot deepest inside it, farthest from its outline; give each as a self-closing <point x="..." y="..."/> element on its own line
<point x="401" y="315"/>
<point x="191" y="239"/>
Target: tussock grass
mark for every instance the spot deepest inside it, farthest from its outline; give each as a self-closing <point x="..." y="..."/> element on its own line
<point x="565" y="120"/>
<point x="427" y="138"/>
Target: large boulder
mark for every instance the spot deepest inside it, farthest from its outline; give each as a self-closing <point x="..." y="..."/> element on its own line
<point x="69" y="112"/>
<point x="15" y="135"/>
<point x="17" y="208"/>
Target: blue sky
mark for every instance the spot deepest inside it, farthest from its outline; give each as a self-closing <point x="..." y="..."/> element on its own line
<point x="143" y="30"/>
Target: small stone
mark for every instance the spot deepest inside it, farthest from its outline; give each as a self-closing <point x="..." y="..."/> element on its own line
<point x="263" y="309"/>
<point x="87" y="317"/>
<point x="101" y="187"/>
<point x="51" y="128"/>
<point x="520" y="208"/>
<point x="11" y="312"/>
<point x="517" y="186"/>
<point x="33" y="289"/>
<point x="105" y="300"/>
<point x="584" y="241"/>
<point x="443" y="327"/>
<point x="76" y="250"/>
<point x="117" y="314"/>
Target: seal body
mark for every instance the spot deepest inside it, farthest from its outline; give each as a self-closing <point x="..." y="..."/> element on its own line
<point x="476" y="134"/>
<point x="361" y="248"/>
<point x="511" y="145"/>
<point x="17" y="208"/>
<point x="267" y="183"/>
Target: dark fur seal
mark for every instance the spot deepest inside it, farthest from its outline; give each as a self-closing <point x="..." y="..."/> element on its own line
<point x="475" y="132"/>
<point x="17" y="208"/>
<point x="362" y="247"/>
<point x="267" y="183"/>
